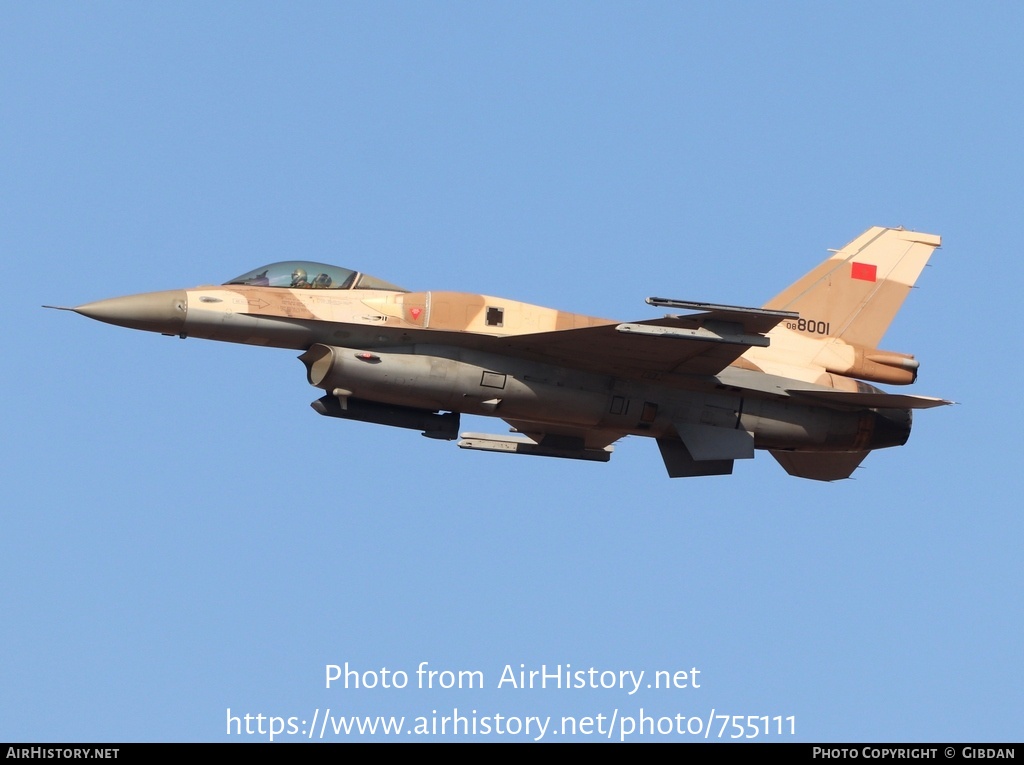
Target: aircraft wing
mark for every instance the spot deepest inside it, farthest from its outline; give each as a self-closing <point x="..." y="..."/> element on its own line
<point x="702" y="343"/>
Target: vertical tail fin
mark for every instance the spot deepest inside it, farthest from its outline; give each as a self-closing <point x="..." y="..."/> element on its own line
<point x="855" y="294"/>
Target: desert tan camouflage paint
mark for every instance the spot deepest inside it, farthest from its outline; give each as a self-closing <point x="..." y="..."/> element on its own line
<point x="711" y="384"/>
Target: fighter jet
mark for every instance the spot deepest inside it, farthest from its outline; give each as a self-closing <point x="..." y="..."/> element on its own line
<point x="710" y="383"/>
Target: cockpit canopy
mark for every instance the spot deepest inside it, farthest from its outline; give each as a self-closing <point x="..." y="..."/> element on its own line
<point x="305" y="274"/>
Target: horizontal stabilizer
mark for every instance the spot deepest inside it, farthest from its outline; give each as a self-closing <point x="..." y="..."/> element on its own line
<point x="819" y="466"/>
<point x="869" y="400"/>
<point x="525" y="445"/>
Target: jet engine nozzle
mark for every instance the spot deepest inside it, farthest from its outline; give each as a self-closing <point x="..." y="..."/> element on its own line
<point x="891" y="428"/>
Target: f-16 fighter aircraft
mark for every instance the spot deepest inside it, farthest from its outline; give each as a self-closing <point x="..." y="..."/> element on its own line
<point x="710" y="383"/>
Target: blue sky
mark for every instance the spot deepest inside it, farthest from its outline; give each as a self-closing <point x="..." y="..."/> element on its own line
<point x="183" y="535"/>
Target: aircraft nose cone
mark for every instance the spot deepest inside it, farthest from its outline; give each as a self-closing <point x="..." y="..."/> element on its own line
<point x="152" y="311"/>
